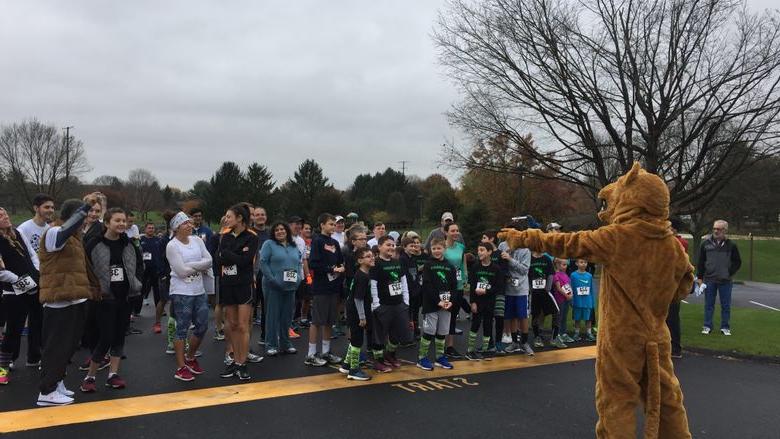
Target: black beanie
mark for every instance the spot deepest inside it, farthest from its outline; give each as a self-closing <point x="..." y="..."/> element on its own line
<point x="69" y="207"/>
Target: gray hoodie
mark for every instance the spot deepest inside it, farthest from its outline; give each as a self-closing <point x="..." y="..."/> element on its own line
<point x="517" y="283"/>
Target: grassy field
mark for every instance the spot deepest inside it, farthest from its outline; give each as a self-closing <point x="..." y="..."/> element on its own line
<point x="754" y="331"/>
<point x="766" y="256"/>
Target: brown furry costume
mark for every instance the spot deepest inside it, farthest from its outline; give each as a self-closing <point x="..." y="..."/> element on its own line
<point x="645" y="269"/>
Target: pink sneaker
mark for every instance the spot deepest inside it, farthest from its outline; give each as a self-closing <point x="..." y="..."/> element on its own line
<point x="193" y="366"/>
<point x="184" y="374"/>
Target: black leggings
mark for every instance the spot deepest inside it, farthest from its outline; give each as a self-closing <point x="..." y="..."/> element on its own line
<point x="457" y="299"/>
<point x="112" y="318"/>
<point x="19" y="308"/>
<point x="485" y="318"/>
<point x="415" y="302"/>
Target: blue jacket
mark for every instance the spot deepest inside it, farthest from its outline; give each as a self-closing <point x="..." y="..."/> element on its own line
<point x="275" y="259"/>
<point x="151" y="246"/>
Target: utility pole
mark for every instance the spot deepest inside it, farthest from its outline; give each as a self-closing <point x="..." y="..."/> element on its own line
<point x="403" y="166"/>
<point x="67" y="154"/>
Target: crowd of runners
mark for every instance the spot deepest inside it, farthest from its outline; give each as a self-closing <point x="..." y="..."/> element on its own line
<point x="80" y="279"/>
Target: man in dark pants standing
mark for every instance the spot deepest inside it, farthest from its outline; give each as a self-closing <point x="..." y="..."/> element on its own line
<point x="673" y="318"/>
<point x="719" y="261"/>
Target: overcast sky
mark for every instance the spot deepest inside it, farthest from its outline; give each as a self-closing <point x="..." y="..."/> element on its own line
<point x="180" y="87"/>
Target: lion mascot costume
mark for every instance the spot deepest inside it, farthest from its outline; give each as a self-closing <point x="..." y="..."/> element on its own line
<point x="644" y="270"/>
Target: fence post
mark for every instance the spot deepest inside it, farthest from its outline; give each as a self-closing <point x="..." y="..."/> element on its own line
<point x="751" y="255"/>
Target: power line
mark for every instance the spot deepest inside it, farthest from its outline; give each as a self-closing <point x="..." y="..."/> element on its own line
<point x="403" y="166"/>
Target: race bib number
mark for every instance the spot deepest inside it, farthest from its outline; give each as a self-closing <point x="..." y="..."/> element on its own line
<point x="445" y="296"/>
<point x="483" y="286"/>
<point x="538" y="284"/>
<point x="193" y="278"/>
<point x="147" y="256"/>
<point x="583" y="291"/>
<point x="566" y="289"/>
<point x="395" y="289"/>
<point x="229" y="270"/>
<point x="290" y="276"/>
<point x="515" y="282"/>
<point x="458" y="275"/>
<point x="203" y="236"/>
<point x="24" y="285"/>
<point x="332" y="276"/>
<point x="117" y="273"/>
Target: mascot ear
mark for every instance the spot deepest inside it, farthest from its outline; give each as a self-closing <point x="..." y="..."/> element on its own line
<point x="633" y="173"/>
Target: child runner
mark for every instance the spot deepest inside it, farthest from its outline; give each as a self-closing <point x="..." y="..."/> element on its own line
<point x="496" y="344"/>
<point x="516" y="296"/>
<point x="542" y="301"/>
<point x="359" y="311"/>
<point x="582" y="303"/>
<point x="563" y="295"/>
<point x="439" y="280"/>
<point x="410" y="260"/>
<point x="486" y="281"/>
<point x="389" y="303"/>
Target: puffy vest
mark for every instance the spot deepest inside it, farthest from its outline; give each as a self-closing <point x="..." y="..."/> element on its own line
<point x="66" y="274"/>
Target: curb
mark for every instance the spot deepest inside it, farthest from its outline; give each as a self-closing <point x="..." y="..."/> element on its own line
<point x="733" y="355"/>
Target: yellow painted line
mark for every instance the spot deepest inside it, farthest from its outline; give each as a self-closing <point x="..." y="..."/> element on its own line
<point x="191" y="399"/>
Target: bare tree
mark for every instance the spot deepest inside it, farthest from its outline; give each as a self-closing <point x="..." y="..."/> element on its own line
<point x="143" y="190"/>
<point x="689" y="88"/>
<point x="37" y="158"/>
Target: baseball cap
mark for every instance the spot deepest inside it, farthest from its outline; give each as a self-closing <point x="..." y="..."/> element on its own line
<point x="352" y="215"/>
<point x="553" y="225"/>
<point x="447" y="216"/>
<point x="295" y="219"/>
<point x="339" y="218"/>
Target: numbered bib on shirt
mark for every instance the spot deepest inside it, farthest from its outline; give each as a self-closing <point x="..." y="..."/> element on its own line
<point x="147" y="256"/>
<point x="25" y="284"/>
<point x="193" y="278"/>
<point x="483" y="286"/>
<point x="229" y="270"/>
<point x="583" y="291"/>
<point x="444" y="296"/>
<point x="515" y="282"/>
<point x="395" y="289"/>
<point x="566" y="288"/>
<point x="290" y="276"/>
<point x="117" y="273"/>
<point x="458" y="275"/>
<point x="538" y="284"/>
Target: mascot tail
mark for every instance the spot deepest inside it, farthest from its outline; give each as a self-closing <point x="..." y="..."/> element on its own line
<point x="653" y="397"/>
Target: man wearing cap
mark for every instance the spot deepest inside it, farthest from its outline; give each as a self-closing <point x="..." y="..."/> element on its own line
<point x="339" y="234"/>
<point x="446" y="218"/>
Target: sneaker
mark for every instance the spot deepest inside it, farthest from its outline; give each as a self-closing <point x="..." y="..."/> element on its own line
<point x="261" y="342"/>
<point x="506" y="339"/>
<point x="590" y="337"/>
<point x="258" y="322"/>
<point x="330" y="358"/>
<point x="170" y="350"/>
<point x="115" y="382"/>
<point x="458" y="331"/>
<point x="253" y="358"/>
<point x="242" y="373"/>
<point x="500" y="348"/>
<point x="538" y="342"/>
<point x="443" y="363"/>
<point x="677" y="354"/>
<point x="392" y="361"/>
<point x="229" y="371"/>
<point x="272" y="352"/>
<point x="451" y="352"/>
<point x="725" y="331"/>
<point x="304" y="323"/>
<point x="511" y="347"/>
<point x="193" y="366"/>
<point x="228" y="359"/>
<point x="344" y="368"/>
<point x="566" y="339"/>
<point x="290" y="351"/>
<point x="184" y="374"/>
<point x="53" y="398"/>
<point x="88" y="385"/>
<point x="380" y="366"/>
<point x="314" y="360"/>
<point x="473" y="356"/>
<point x="157" y="328"/>
<point x="358" y="375"/>
<point x="64" y="390"/>
<point x="577" y="337"/>
<point x="558" y="343"/>
<point x="705" y="330"/>
<point x="198" y="354"/>
<point x="425" y="364"/>
<point x="528" y="350"/>
<point x="33" y="364"/>
<point x="219" y="336"/>
<point x="292" y="334"/>
<point x="3" y="376"/>
<point x="132" y="330"/>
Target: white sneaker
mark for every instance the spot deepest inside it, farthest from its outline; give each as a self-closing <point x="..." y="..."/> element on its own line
<point x="62" y="389"/>
<point x="53" y="398"/>
<point x="705" y="330"/>
<point x="506" y="339"/>
<point x="725" y="331"/>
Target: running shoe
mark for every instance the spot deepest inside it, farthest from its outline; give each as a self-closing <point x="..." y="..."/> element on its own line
<point x="115" y="382"/>
<point x="443" y="363"/>
<point x="228" y="358"/>
<point x="512" y="347"/>
<point x="229" y="371"/>
<point x="184" y="374"/>
<point x="53" y="399"/>
<point x="558" y="343"/>
<point x="88" y="385"/>
<point x="219" y="336"/>
<point x="261" y="342"/>
<point x="527" y="348"/>
<point x="357" y="375"/>
<point x="313" y="360"/>
<point x="453" y="353"/>
<point x="330" y="358"/>
<point x="253" y="358"/>
<point x="344" y="367"/>
<point x="590" y="337"/>
<point x="3" y="376"/>
<point x="458" y="331"/>
<point x="292" y="334"/>
<point x="473" y="356"/>
<point x="242" y="373"/>
<point x="193" y="366"/>
<point x="506" y="339"/>
<point x="169" y="349"/>
<point x="157" y="328"/>
<point x="706" y="330"/>
<point x="380" y="366"/>
<point x="425" y="364"/>
<point x="64" y="390"/>
<point x="538" y="342"/>
<point x="566" y="339"/>
<point x="272" y="352"/>
<point x="392" y="360"/>
<point x="725" y="331"/>
<point x="290" y="351"/>
<point x="577" y="338"/>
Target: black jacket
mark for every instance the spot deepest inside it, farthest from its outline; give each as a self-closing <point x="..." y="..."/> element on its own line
<point x="718" y="262"/>
<point x="17" y="260"/>
<point x="236" y="256"/>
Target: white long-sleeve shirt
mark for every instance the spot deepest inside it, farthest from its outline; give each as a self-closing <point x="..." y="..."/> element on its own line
<point x="189" y="264"/>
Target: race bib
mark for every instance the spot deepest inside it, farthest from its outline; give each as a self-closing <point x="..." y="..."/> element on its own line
<point x="117" y="273"/>
<point x="395" y="289"/>
<point x="147" y="256"/>
<point x="445" y="296"/>
<point x="583" y="291"/>
<point x="193" y="278"/>
<point x="515" y="282"/>
<point x="458" y="275"/>
<point x="332" y="276"/>
<point x="24" y="285"/>
<point x="290" y="276"/>
<point x="203" y="236"/>
<point x="566" y="289"/>
<point x="483" y="286"/>
<point x="538" y="284"/>
<point x="229" y="270"/>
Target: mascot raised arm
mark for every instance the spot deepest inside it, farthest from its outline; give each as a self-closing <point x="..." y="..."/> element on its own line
<point x="644" y="270"/>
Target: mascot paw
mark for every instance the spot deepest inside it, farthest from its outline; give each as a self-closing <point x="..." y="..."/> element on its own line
<point x="514" y="238"/>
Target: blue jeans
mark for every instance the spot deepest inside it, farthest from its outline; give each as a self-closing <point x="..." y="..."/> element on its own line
<point x="713" y="288"/>
<point x="190" y="309"/>
<point x="279" y="306"/>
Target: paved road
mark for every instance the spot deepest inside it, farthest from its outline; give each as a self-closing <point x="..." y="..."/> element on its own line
<point x="725" y="399"/>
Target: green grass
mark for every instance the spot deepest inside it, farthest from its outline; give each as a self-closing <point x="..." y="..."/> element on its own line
<point x="766" y="254"/>
<point x="754" y="331"/>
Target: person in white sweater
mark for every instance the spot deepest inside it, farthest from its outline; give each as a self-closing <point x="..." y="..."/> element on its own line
<point x="191" y="278"/>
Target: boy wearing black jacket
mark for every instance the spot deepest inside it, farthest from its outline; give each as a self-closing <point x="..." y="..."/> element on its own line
<point x="486" y="281"/>
<point x="411" y="259"/>
<point x="438" y="282"/>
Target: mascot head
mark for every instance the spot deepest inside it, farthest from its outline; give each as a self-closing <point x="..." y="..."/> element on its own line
<point x="637" y="194"/>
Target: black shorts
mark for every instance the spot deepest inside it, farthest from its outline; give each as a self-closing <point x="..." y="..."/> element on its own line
<point x="162" y="293"/>
<point x="543" y="303"/>
<point x="324" y="309"/>
<point x="235" y="294"/>
<point x="392" y="321"/>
